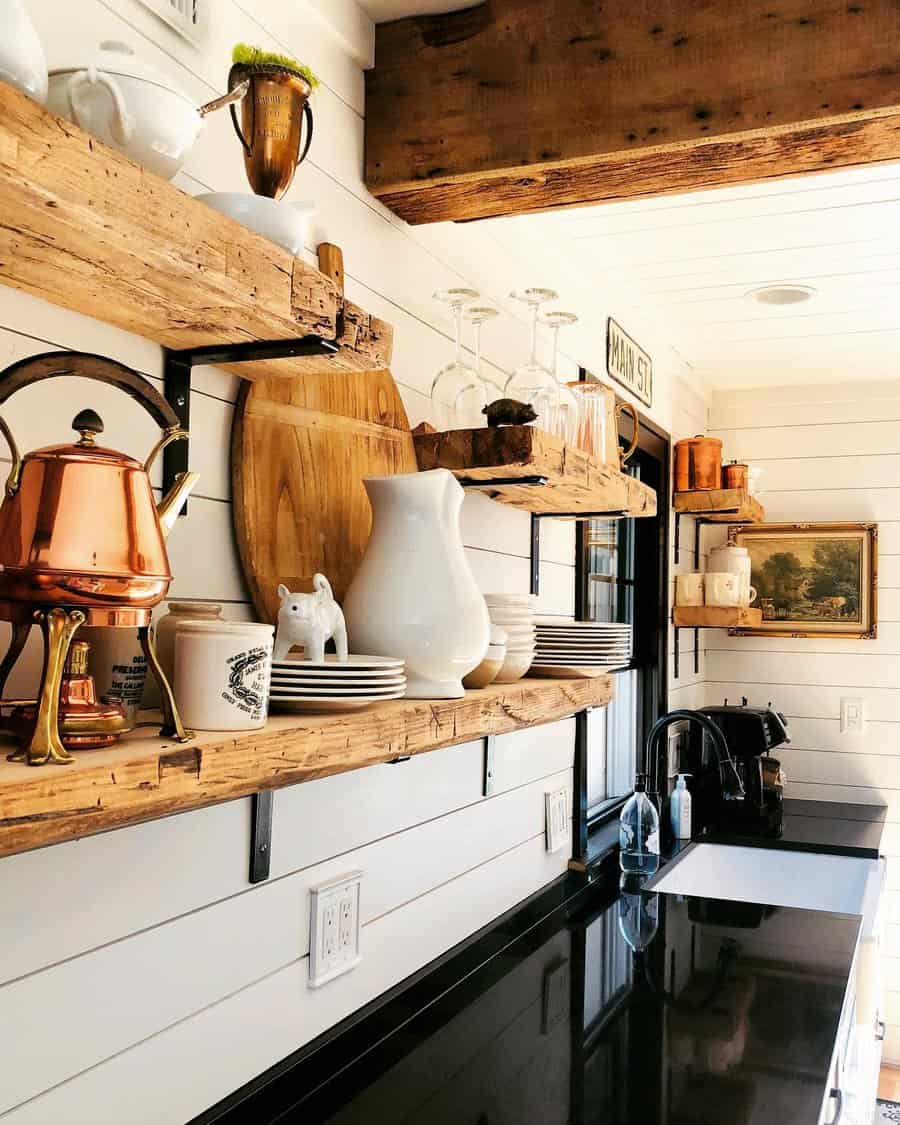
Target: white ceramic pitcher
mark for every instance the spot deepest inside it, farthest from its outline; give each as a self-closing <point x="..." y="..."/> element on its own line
<point x="22" y="59"/>
<point x="414" y="595"/>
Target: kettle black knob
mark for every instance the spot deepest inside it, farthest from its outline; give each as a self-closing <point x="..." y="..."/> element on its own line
<point x="87" y="423"/>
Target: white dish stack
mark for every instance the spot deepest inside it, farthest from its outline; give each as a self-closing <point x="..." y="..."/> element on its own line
<point x="335" y="685"/>
<point x="567" y="648"/>
<point x="515" y="614"/>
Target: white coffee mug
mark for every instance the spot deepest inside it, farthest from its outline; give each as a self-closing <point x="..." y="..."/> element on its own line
<point x="222" y="674"/>
<point x="689" y="589"/>
<point x="748" y="592"/>
<point x="723" y="588"/>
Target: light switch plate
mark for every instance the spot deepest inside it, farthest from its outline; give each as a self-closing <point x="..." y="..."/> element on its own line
<point x="853" y="715"/>
<point x="556" y="807"/>
<point x="334" y="925"/>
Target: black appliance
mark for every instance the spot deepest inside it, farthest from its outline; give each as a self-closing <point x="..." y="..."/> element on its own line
<point x="756" y="805"/>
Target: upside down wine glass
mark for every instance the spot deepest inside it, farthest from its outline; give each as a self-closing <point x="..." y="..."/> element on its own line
<point x="457" y="394"/>
<point x="533" y="382"/>
<point x="564" y="416"/>
<point x="476" y="315"/>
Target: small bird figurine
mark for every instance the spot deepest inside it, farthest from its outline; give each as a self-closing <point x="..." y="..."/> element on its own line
<point x="508" y="412"/>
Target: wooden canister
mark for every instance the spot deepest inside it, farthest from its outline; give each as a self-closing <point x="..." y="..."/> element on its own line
<point x="736" y="475"/>
<point x="698" y="464"/>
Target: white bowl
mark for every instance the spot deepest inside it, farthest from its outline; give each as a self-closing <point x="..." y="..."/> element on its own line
<point x="283" y="223"/>
<point x="514" y="667"/>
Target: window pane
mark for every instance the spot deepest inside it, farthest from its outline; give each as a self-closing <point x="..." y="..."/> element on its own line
<point x="612" y="744"/>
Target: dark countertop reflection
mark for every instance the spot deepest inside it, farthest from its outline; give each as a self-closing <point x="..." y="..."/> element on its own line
<point x="653" y="1008"/>
<point x="827" y="827"/>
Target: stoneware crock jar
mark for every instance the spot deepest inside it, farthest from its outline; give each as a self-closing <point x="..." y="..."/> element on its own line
<point x="222" y="673"/>
<point x="130" y="105"/>
<point x="414" y="595"/>
<point x="22" y="60"/>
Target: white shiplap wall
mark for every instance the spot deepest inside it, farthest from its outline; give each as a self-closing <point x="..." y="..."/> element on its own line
<point x="141" y="977"/>
<point x="830" y="453"/>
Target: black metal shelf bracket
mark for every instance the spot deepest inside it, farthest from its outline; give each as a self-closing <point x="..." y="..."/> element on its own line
<point x="177" y="364"/>
<point x="261" y="835"/>
<point x="490" y="746"/>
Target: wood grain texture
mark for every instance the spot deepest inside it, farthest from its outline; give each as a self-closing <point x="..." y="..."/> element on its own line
<point x="720" y="505"/>
<point x="300" y="450"/>
<point x="576" y="483"/>
<point x="717" y="617"/>
<point x="144" y="778"/>
<point x="517" y="106"/>
<point x="86" y="228"/>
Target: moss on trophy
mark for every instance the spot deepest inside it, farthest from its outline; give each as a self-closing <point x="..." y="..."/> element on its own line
<point x="244" y="55"/>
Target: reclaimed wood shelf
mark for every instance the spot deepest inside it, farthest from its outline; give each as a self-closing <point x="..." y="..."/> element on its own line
<point x="720" y="505"/>
<point x="532" y="470"/>
<point x="145" y="777"/>
<point x="716" y="617"/>
<point x="86" y="228"/>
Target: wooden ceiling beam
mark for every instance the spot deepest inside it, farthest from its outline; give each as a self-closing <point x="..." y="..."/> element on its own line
<point x="517" y="106"/>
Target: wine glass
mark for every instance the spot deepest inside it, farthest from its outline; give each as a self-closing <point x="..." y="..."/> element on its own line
<point x="457" y="393"/>
<point x="533" y="382"/>
<point x="564" y="416"/>
<point x="476" y="315"/>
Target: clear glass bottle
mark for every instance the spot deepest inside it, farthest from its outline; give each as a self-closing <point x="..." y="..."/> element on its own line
<point x="639" y="832"/>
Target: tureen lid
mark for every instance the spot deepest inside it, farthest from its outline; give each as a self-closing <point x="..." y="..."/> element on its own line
<point x="118" y="58"/>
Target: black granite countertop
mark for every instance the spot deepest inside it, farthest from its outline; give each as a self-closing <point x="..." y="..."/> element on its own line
<point x="826" y="827"/>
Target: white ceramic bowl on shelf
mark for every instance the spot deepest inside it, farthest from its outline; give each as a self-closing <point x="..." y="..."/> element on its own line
<point x="283" y="223"/>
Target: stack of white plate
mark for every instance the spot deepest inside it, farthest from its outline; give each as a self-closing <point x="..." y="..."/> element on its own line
<point x="580" y="648"/>
<point x="335" y="685"/>
<point x="515" y="614"/>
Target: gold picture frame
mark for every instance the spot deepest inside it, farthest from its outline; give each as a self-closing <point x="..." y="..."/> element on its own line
<point x="813" y="579"/>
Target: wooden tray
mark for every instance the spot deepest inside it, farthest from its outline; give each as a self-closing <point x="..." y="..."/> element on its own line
<point x="300" y="449"/>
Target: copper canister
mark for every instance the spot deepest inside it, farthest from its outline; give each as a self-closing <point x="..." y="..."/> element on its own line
<point x="698" y="464"/>
<point x="736" y="475"/>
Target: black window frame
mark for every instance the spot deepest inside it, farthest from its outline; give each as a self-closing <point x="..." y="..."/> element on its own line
<point x="651" y="548"/>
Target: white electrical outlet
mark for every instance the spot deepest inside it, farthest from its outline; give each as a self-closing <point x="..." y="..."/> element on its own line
<point x="334" y="924"/>
<point x="556" y="824"/>
<point x="853" y="715"/>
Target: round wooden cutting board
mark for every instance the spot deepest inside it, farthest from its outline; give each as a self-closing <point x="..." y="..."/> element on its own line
<point x="300" y="448"/>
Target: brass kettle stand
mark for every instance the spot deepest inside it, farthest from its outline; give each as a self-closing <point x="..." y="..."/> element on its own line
<point x="58" y="626"/>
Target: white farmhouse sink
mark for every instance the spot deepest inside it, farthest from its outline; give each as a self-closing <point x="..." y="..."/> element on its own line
<point x="777" y="878"/>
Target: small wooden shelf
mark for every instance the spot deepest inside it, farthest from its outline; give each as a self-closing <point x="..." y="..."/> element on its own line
<point x="529" y="469"/>
<point x="86" y="228"/>
<point x="721" y="505"/>
<point x="716" y="617"/>
<point x="145" y="777"/>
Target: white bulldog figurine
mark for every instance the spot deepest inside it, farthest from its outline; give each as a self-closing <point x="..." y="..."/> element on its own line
<point x="310" y="620"/>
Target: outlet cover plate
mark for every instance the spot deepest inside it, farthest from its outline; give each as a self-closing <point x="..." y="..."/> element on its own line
<point x="334" y="925"/>
<point x="556" y="805"/>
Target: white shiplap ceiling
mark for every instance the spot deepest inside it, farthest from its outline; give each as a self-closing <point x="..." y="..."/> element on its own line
<point x="690" y="260"/>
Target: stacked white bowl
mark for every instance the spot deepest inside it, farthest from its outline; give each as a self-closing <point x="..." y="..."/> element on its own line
<point x="515" y="614"/>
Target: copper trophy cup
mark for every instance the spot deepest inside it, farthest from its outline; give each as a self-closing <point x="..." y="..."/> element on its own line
<point x="271" y="127"/>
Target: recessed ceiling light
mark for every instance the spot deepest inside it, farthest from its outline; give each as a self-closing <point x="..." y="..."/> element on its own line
<point x="782" y="294"/>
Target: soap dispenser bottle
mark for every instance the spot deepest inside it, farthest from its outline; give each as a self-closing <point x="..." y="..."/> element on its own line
<point x="680" y="809"/>
<point x="639" y="832"/>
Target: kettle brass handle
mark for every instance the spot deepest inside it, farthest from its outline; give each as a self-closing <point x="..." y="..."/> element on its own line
<point x="168" y="437"/>
<point x="12" y="481"/>
<point x="50" y="365"/>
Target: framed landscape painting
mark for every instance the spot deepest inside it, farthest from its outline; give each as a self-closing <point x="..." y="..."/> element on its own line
<point x="812" y="579"/>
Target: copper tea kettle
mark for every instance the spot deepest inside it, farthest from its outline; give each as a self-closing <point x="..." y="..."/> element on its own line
<point x="82" y="541"/>
<point x="79" y="525"/>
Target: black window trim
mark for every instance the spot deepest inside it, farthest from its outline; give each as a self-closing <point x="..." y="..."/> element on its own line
<point x="655" y="442"/>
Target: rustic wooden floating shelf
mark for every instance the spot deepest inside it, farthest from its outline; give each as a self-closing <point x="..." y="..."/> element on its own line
<point x="532" y="470"/>
<point x="145" y="777"/>
<point x="86" y="228"/>
<point x="716" y="617"/>
<point x="721" y="505"/>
